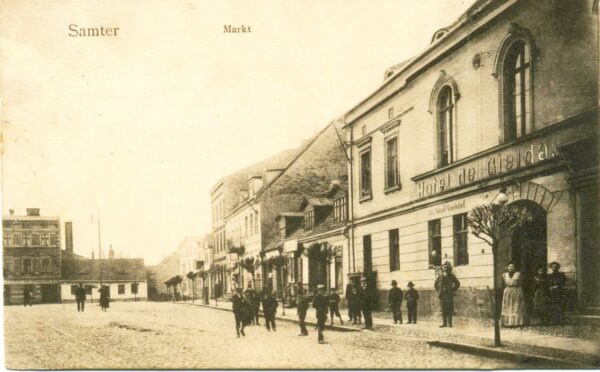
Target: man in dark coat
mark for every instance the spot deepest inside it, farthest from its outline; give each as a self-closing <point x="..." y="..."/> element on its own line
<point x="240" y="308"/>
<point x="349" y="300"/>
<point x="446" y="286"/>
<point x="80" y="297"/>
<point x="334" y="303"/>
<point x="254" y="303"/>
<point x="366" y="302"/>
<point x="411" y="296"/>
<point x="303" y="304"/>
<point x="395" y="297"/>
<point x="269" y="305"/>
<point x="556" y="282"/>
<point x="321" y="304"/>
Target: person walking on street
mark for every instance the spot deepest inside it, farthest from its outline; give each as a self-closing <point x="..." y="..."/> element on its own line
<point x="269" y="305"/>
<point x="240" y="309"/>
<point x="303" y="304"/>
<point x="513" y="301"/>
<point x="104" y="297"/>
<point x="411" y="296"/>
<point x="556" y="283"/>
<point x="321" y="303"/>
<point x="446" y="285"/>
<point x="395" y="298"/>
<point x="254" y="303"/>
<point x="366" y="301"/>
<point x="80" y="297"/>
<point x="334" y="302"/>
<point x="27" y="296"/>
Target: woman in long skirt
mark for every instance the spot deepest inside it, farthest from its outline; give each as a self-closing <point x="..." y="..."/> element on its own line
<point x="104" y="297"/>
<point x="513" y="301"/>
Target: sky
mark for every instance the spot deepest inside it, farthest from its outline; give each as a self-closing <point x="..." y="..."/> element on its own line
<point x="137" y="128"/>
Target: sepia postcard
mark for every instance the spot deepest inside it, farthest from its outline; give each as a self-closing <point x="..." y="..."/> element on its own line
<point x="289" y="185"/>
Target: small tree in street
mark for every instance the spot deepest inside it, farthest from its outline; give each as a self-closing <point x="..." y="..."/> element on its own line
<point x="279" y="262"/>
<point x="192" y="276"/>
<point x="249" y="265"/>
<point x="492" y="224"/>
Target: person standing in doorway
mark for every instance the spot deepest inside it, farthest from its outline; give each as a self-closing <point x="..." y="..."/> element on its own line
<point x="412" y="295"/>
<point x="395" y="297"/>
<point x="446" y="285"/>
<point x="513" y="302"/>
<point x="334" y="303"/>
<point x="556" y="284"/>
<point x="321" y="303"/>
<point x="80" y="297"/>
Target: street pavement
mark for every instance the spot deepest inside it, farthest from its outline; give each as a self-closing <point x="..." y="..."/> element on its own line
<point x="148" y="335"/>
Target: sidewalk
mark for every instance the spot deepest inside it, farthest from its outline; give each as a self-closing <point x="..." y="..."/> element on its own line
<point x="581" y="350"/>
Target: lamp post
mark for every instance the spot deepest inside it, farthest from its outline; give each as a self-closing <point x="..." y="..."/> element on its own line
<point x="499" y="201"/>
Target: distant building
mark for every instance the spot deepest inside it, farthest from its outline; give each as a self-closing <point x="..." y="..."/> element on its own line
<point x="191" y="261"/>
<point x="31" y="257"/>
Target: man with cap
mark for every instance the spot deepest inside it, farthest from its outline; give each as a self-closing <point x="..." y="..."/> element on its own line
<point x="395" y="300"/>
<point x="412" y="295"/>
<point x="446" y="286"/>
<point x="321" y="305"/>
<point x="366" y="301"/>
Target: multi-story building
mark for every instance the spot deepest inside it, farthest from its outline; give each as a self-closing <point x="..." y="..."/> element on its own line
<point x="31" y="257"/>
<point x="191" y="260"/>
<point x="504" y="101"/>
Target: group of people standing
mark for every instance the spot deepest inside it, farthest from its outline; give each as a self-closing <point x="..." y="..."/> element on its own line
<point x="246" y="306"/>
<point x="81" y="294"/>
<point x="547" y="301"/>
<point x="361" y="300"/>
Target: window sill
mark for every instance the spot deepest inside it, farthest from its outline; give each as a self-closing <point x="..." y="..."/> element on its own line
<point x="392" y="189"/>
<point x="365" y="198"/>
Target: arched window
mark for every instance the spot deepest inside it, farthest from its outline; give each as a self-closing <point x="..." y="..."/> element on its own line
<point x="445" y="126"/>
<point x="516" y="91"/>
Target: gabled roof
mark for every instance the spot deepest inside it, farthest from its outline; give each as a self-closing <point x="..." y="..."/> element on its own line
<point x="112" y="269"/>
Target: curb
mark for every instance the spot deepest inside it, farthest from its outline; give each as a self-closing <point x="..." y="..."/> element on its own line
<point x="338" y="328"/>
<point x="521" y="358"/>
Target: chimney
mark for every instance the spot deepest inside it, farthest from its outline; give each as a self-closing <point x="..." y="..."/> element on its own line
<point x="69" y="237"/>
<point x="271" y="174"/>
<point x="33" y="212"/>
<point x="12" y="212"/>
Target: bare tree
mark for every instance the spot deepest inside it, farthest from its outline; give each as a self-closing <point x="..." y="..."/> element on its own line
<point x="492" y="224"/>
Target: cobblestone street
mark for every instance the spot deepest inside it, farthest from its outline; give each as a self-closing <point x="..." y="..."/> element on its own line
<point x="165" y="335"/>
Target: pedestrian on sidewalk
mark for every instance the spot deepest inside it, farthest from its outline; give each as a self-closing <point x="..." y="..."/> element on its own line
<point x="320" y="303"/>
<point x="513" y="301"/>
<point x="269" y="305"/>
<point x="27" y="295"/>
<point x="446" y="285"/>
<point x="240" y="309"/>
<point x="80" y="297"/>
<point x="355" y="304"/>
<point x="367" y="302"/>
<point x="395" y="298"/>
<point x="254" y="303"/>
<point x="303" y="304"/>
<point x="540" y="296"/>
<point x="556" y="283"/>
<point x="104" y="297"/>
<point x="411" y="296"/>
<point x="334" y="303"/>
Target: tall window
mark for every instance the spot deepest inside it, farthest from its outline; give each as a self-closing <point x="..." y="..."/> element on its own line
<point x="309" y="220"/>
<point x="435" y="242"/>
<point x="27" y="265"/>
<point x="251" y="223"/>
<point x="121" y="288"/>
<point x="516" y="91"/>
<point x="339" y="209"/>
<point x="394" y="242"/>
<point x="365" y="174"/>
<point x="445" y="126"/>
<point x="391" y="165"/>
<point x="45" y="240"/>
<point x="246" y="226"/>
<point x="367" y="254"/>
<point x="461" y="232"/>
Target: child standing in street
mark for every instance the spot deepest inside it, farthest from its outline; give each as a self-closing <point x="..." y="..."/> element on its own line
<point x="334" y="302"/>
<point x="411" y="297"/>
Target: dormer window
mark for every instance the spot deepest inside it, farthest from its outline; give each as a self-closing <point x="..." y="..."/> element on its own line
<point x="309" y="220"/>
<point x="340" y="211"/>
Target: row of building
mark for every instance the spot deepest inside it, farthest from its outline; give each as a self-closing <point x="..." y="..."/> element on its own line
<point x="504" y="101"/>
<point x="34" y="261"/>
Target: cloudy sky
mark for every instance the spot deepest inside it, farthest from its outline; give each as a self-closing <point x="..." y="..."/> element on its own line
<point x="140" y="126"/>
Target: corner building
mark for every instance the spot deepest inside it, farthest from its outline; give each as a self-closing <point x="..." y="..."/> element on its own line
<point x="505" y="97"/>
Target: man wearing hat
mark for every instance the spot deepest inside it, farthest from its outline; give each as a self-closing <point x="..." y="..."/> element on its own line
<point x="446" y="286"/>
<point x="412" y="295"/>
<point x="321" y="303"/>
<point x="366" y="301"/>
<point x="395" y="300"/>
<point x="556" y="283"/>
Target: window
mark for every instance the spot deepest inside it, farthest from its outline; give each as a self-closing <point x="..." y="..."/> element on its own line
<point x="251" y="224"/>
<point x="516" y="91"/>
<point x="45" y="240"/>
<point x="35" y="240"/>
<point x="17" y="240"/>
<point x="53" y="240"/>
<point x="339" y="273"/>
<point x="121" y="289"/>
<point x="18" y="265"/>
<point x="27" y="265"/>
<point x="246" y="226"/>
<point x="339" y="209"/>
<point x="391" y="163"/>
<point x="309" y="220"/>
<point x="445" y="126"/>
<point x="394" y="241"/>
<point x="6" y="240"/>
<point x="36" y="265"/>
<point x="367" y="254"/>
<point x="256" y="222"/>
<point x="46" y="265"/>
<point x="7" y="265"/>
<point x="461" y="232"/>
<point x="435" y="242"/>
<point x="365" y="174"/>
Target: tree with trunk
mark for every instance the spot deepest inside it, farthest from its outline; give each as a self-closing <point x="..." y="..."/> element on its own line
<point x="192" y="276"/>
<point x="492" y="224"/>
<point x="279" y="262"/>
<point x="324" y="255"/>
<point x="249" y="264"/>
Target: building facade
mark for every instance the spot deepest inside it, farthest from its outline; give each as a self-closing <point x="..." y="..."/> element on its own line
<point x="504" y="99"/>
<point x="31" y="257"/>
<point x="191" y="261"/>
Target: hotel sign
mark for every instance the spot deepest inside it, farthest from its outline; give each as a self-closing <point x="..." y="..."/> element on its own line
<point x="499" y="163"/>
